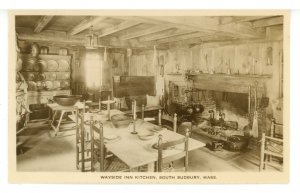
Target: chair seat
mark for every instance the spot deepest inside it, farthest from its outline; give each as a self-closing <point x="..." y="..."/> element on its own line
<point x="112" y="164"/>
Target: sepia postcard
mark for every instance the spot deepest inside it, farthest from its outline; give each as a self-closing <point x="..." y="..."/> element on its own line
<point x="149" y="96"/>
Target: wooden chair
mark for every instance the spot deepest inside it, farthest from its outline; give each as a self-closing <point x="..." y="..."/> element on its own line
<point x="170" y="122"/>
<point x="82" y="141"/>
<point x="271" y="148"/>
<point x="165" y="145"/>
<point x="99" y="153"/>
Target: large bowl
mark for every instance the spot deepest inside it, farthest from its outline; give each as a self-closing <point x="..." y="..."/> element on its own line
<point x="121" y="121"/>
<point x="66" y="100"/>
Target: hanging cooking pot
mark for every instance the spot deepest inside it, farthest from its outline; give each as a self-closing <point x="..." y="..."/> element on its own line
<point x="34" y="49"/>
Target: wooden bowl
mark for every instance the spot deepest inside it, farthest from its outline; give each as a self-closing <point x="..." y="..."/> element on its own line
<point x="121" y="121"/>
<point x="66" y="100"/>
<point x="146" y="136"/>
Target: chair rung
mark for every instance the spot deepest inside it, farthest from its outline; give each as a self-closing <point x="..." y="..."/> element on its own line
<point x="274" y="139"/>
<point x="273" y="153"/>
<point x="85" y="160"/>
<point x="273" y="164"/>
<point x="85" y="151"/>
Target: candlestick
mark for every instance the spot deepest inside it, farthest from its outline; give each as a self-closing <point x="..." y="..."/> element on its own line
<point x="108" y="107"/>
<point x="133" y="126"/>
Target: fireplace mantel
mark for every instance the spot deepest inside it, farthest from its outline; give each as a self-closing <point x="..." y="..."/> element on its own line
<point x="228" y="83"/>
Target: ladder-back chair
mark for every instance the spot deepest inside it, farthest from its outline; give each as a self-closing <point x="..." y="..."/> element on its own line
<point x="165" y="145"/>
<point x="272" y="148"/>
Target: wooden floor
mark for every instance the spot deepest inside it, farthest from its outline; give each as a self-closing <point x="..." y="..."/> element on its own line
<point x="42" y="152"/>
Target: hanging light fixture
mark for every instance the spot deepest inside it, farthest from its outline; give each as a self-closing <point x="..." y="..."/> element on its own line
<point x="105" y="55"/>
<point x="91" y="39"/>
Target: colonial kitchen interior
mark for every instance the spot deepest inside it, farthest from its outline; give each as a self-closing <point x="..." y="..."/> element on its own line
<point x="149" y="93"/>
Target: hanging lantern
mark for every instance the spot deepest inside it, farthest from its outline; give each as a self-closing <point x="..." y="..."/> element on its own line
<point x="91" y="39"/>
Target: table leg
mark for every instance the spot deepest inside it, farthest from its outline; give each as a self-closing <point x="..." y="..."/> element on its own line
<point x="56" y="128"/>
<point x="53" y="117"/>
<point x="150" y="167"/>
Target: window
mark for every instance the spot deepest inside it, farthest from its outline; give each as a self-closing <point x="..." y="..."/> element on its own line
<point x="93" y="66"/>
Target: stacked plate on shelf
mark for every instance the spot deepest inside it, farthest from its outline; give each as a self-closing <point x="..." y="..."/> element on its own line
<point x="63" y="65"/>
<point x="52" y="65"/>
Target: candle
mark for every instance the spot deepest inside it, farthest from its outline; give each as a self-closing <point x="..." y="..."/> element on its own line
<point x="100" y="104"/>
<point x="143" y="109"/>
<point x="159" y="117"/>
<point x="134" y="109"/>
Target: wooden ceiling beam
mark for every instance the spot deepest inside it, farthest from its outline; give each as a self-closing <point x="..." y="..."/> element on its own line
<point x="268" y="22"/>
<point x="181" y="37"/>
<point x="49" y="36"/>
<point x="144" y="32"/>
<point x="207" y="24"/>
<point x="85" y="24"/>
<point x="164" y="34"/>
<point x="42" y="22"/>
<point x="114" y="29"/>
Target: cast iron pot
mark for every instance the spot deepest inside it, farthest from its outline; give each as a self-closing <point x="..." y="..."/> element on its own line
<point x="66" y="100"/>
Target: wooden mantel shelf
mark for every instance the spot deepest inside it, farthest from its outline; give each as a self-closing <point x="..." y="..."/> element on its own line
<point x="255" y="76"/>
<point x="227" y="83"/>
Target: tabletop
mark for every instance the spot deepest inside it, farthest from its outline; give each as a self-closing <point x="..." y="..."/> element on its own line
<point x="56" y="107"/>
<point x="130" y="148"/>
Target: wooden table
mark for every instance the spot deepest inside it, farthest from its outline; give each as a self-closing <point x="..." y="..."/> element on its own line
<point x="132" y="150"/>
<point x="55" y="108"/>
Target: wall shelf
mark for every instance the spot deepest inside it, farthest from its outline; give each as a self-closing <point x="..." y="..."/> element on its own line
<point x="227" y="83"/>
<point x="223" y="75"/>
